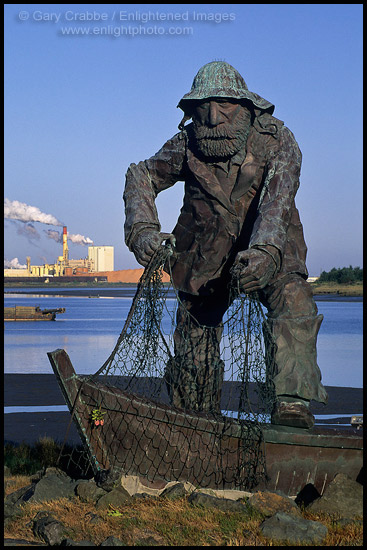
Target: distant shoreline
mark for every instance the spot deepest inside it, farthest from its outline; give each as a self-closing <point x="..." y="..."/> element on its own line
<point x="318" y="289"/>
<point x="128" y="291"/>
<point x="344" y="290"/>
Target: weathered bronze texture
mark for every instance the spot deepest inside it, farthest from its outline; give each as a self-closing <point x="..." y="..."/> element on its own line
<point x="219" y="79"/>
<point x="239" y="222"/>
<point x="162" y="443"/>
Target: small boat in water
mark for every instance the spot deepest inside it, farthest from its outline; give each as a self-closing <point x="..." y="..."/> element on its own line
<point x="30" y="313"/>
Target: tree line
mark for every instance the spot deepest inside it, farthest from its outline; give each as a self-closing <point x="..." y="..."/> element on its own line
<point x="342" y="275"/>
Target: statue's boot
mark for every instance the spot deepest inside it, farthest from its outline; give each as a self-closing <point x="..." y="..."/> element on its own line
<point x="295" y="414"/>
<point x="297" y="377"/>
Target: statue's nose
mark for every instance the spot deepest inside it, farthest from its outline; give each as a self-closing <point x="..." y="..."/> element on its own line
<point x="215" y="117"/>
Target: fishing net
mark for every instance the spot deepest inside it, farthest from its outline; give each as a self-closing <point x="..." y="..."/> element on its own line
<point x="178" y="399"/>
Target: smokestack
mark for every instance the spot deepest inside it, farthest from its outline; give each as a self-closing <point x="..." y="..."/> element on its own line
<point x="65" y="250"/>
<point x="28" y="264"/>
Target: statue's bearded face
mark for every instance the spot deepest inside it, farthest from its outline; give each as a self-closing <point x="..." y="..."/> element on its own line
<point x="220" y="127"/>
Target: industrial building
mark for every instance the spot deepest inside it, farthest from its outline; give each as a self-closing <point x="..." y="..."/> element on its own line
<point x="98" y="267"/>
<point x="100" y="258"/>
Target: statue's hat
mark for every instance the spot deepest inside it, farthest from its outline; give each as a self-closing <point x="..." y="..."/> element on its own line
<point x="220" y="79"/>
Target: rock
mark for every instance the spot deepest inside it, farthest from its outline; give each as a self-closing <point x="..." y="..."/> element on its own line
<point x="7" y="471"/>
<point x="343" y="497"/>
<point x="93" y="518"/>
<point x="224" y="504"/>
<point x="175" y="491"/>
<point x="20" y="495"/>
<point x="53" y="485"/>
<point x="269" y="504"/>
<point x="232" y="494"/>
<point x="108" y="479"/>
<point x="308" y="494"/>
<point x="38" y="475"/>
<point x="13" y="502"/>
<point x="112" y="541"/>
<point x="40" y="515"/>
<point x="293" y="529"/>
<point x="88" y="491"/>
<point x="147" y="537"/>
<point x="116" y="498"/>
<point x="49" y="529"/>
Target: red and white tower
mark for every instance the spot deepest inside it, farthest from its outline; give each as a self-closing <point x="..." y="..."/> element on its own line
<point x="65" y="250"/>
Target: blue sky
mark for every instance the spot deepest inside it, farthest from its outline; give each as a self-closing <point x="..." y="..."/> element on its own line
<point x="80" y="108"/>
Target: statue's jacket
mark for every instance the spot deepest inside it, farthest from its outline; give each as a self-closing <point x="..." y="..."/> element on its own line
<point x="213" y="227"/>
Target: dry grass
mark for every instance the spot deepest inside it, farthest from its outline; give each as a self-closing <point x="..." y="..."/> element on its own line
<point x="351" y="289"/>
<point x="13" y="483"/>
<point x="339" y="534"/>
<point x="173" y="523"/>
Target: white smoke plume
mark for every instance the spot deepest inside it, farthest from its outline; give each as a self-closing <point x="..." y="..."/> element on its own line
<point x="15" y="210"/>
<point x="76" y="239"/>
<point x="20" y="211"/>
<point x="79" y="239"/>
<point x="14" y="264"/>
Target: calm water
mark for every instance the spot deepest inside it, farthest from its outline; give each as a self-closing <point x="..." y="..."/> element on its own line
<point x="89" y="328"/>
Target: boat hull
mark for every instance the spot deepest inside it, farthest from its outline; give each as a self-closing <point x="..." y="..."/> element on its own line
<point x="28" y="313"/>
<point x="160" y="443"/>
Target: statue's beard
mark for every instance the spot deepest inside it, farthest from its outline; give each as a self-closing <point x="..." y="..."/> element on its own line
<point x="224" y="140"/>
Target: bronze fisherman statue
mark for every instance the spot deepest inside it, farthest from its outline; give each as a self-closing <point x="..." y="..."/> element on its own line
<point x="241" y="169"/>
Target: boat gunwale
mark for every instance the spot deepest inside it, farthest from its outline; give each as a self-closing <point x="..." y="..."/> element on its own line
<point x="315" y="437"/>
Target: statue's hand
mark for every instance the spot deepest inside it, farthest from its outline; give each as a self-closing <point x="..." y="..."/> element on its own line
<point x="253" y="269"/>
<point x="145" y="244"/>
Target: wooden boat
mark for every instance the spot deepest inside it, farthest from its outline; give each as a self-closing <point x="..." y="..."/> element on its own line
<point x="157" y="442"/>
<point x="29" y="313"/>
